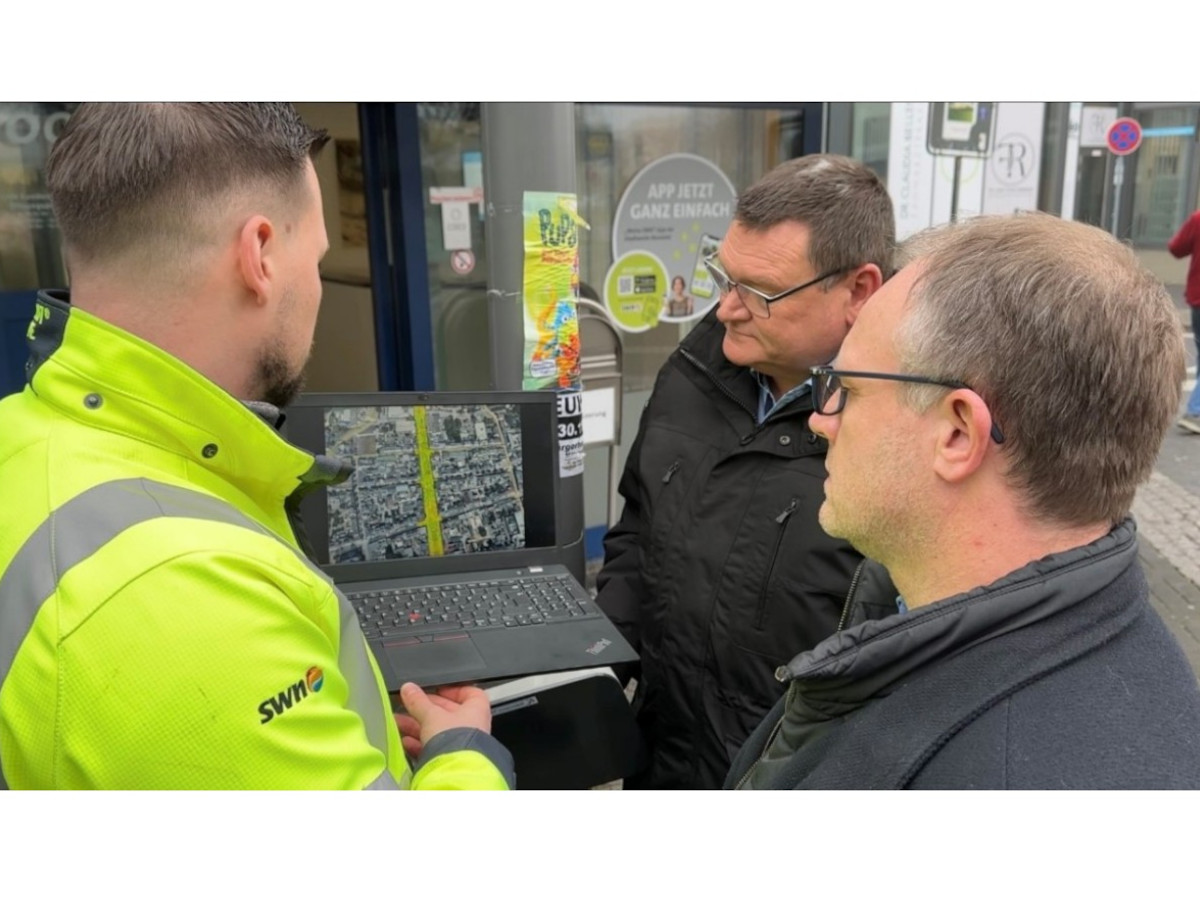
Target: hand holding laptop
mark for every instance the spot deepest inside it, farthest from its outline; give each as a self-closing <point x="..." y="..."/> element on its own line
<point x="428" y="714"/>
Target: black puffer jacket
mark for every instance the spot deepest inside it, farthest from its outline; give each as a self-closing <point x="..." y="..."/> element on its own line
<point x="718" y="572"/>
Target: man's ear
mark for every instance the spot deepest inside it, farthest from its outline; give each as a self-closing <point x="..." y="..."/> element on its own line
<point x="964" y="429"/>
<point x="256" y="261"/>
<point x="864" y="281"/>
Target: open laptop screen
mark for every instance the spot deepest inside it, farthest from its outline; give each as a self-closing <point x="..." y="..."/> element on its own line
<point x="442" y="479"/>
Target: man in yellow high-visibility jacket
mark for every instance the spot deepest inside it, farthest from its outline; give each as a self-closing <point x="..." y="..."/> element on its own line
<point x="160" y="625"/>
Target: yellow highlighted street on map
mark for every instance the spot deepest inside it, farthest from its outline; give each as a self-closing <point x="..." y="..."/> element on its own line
<point x="433" y="521"/>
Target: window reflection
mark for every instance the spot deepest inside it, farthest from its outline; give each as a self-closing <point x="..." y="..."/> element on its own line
<point x="30" y="244"/>
<point x="1164" y="163"/>
<point x="614" y="142"/>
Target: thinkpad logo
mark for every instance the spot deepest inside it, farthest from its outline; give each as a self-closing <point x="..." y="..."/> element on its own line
<point x="599" y="646"/>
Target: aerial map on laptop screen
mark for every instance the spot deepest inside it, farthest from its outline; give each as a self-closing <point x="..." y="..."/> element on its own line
<point x="429" y="481"/>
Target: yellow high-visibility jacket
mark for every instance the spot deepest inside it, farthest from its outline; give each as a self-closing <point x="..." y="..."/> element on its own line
<point x="160" y="627"/>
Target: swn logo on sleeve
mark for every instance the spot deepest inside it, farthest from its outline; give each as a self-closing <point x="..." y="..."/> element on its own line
<point x="312" y="682"/>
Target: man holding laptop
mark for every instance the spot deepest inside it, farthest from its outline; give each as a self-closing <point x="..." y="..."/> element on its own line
<point x="159" y="625"/>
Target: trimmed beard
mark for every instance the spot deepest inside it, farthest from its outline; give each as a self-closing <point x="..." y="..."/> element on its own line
<point x="277" y="383"/>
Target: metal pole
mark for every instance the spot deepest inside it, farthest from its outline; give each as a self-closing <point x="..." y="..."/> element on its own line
<point x="1071" y="161"/>
<point x="954" y="189"/>
<point x="1118" y="180"/>
<point x="526" y="146"/>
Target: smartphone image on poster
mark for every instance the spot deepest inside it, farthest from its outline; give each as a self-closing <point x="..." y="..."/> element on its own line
<point x="960" y="129"/>
<point x="703" y="287"/>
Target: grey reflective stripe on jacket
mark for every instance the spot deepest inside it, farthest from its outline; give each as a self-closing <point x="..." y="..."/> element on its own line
<point x="84" y="524"/>
<point x="470" y="739"/>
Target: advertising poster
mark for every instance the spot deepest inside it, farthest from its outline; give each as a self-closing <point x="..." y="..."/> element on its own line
<point x="1014" y="170"/>
<point x="671" y="217"/>
<point x="955" y="160"/>
<point x="551" y="286"/>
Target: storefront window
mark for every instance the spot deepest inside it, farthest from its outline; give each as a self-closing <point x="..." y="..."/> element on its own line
<point x="616" y="142"/>
<point x="343" y="356"/>
<point x="1162" y="193"/>
<point x="451" y="157"/>
<point x="30" y="244"/>
<point x="869" y="134"/>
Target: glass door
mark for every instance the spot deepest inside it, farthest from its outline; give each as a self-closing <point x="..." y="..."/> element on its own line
<point x="30" y="244"/>
<point x="615" y="142"/>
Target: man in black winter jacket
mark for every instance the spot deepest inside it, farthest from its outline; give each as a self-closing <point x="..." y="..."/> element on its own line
<point x="989" y="419"/>
<point x="717" y="571"/>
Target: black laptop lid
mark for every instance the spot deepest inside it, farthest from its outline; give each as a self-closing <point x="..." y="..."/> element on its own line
<point x="446" y="482"/>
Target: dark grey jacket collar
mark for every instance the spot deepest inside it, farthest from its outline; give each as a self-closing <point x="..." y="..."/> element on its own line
<point x="870" y="658"/>
<point x="272" y="415"/>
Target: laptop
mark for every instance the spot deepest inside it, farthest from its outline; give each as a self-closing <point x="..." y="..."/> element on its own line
<point x="449" y="539"/>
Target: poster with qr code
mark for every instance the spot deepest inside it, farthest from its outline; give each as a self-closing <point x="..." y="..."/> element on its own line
<point x="633" y="291"/>
<point x="551" y="287"/>
<point x="666" y="231"/>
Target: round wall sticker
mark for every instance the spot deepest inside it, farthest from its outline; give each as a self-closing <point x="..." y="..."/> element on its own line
<point x="634" y="289"/>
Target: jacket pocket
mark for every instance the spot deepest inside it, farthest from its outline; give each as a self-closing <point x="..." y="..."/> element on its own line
<point x="672" y="485"/>
<point x="782" y="520"/>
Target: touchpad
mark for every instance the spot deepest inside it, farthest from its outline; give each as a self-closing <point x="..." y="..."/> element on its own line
<point x="435" y="662"/>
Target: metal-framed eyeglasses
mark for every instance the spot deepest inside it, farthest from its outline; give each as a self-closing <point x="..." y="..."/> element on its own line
<point x="829" y="394"/>
<point x="756" y="301"/>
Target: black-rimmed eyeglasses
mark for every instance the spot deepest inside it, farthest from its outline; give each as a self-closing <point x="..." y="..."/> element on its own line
<point x="829" y="394"/>
<point x="756" y="301"/>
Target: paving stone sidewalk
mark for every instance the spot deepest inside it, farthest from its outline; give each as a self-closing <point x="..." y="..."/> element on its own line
<point x="1168" y="517"/>
<point x="1167" y="510"/>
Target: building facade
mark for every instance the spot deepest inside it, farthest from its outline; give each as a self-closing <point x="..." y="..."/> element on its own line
<point x="407" y="278"/>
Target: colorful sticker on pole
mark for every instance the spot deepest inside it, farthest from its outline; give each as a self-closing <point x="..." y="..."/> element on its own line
<point x="551" y="285"/>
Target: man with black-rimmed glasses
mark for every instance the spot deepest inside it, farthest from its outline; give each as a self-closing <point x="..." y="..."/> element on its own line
<point x="989" y="418"/>
<point x="717" y="570"/>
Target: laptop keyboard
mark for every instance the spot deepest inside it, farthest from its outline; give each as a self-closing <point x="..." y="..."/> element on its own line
<point x="507" y="602"/>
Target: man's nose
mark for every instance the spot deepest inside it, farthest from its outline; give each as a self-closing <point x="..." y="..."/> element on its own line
<point x="823" y="425"/>
<point x="731" y="308"/>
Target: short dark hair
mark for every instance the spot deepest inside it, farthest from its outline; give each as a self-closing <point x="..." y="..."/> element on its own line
<point x="123" y="173"/>
<point x="844" y="204"/>
<point x="1074" y="344"/>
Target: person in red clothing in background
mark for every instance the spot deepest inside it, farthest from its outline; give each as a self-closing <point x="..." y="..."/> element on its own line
<point x="1187" y="243"/>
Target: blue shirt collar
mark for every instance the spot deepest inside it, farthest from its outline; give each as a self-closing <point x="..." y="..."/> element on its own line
<point x="766" y="400"/>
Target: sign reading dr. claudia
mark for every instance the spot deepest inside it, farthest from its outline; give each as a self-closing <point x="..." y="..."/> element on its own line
<point x="672" y="215"/>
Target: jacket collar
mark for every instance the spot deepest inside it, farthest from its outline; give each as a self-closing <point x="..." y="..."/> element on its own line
<point x="702" y="350"/>
<point x="97" y="373"/>
<point x="871" y="658"/>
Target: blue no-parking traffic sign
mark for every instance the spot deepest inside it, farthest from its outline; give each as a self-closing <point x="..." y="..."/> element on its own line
<point x="1124" y="136"/>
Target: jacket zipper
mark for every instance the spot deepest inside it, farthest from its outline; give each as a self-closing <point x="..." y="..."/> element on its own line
<point x="783" y="670"/>
<point x="766" y="746"/>
<point x="850" y="595"/>
<point x="781" y="519"/>
<point x="656" y="544"/>
<point x="783" y="673"/>
<point x="719" y="385"/>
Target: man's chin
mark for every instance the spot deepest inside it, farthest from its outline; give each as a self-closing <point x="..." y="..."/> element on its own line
<point x="829" y="522"/>
<point x="737" y="349"/>
<point x="284" y="393"/>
